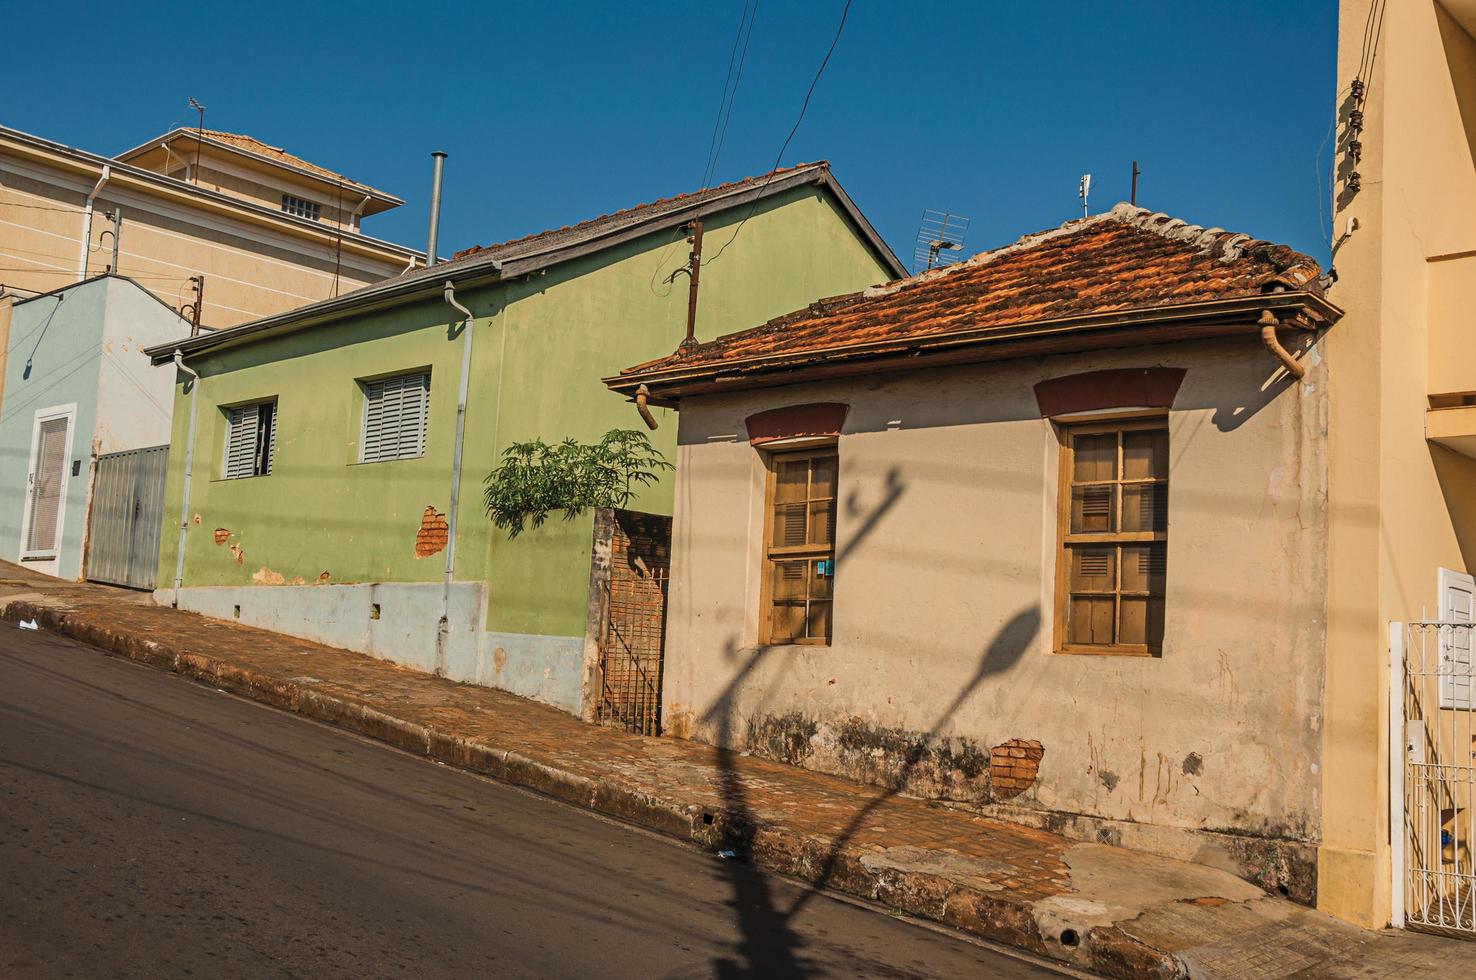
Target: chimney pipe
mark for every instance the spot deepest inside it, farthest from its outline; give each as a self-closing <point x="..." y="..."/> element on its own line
<point x="435" y="208"/>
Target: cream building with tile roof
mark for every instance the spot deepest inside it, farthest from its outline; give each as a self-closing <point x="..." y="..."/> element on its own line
<point x="266" y="230"/>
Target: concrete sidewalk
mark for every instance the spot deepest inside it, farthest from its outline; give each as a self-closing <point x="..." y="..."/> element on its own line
<point x="1105" y="909"/>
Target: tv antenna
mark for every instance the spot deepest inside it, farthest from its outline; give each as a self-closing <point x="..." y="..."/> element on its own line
<point x="940" y="239"/>
<point x="1082" y="190"/>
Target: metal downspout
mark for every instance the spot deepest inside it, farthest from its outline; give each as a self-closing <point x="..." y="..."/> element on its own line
<point x="107" y="171"/>
<point x="453" y="509"/>
<point x="189" y="465"/>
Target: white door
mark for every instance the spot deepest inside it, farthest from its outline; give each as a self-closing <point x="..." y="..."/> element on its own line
<point x="46" y="485"/>
<point x="1457" y="605"/>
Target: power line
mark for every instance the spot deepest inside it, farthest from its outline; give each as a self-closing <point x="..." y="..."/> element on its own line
<point x="724" y="115"/>
<point x="792" y="130"/>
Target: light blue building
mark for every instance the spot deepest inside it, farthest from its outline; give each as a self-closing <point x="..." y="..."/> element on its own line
<point x="76" y="387"/>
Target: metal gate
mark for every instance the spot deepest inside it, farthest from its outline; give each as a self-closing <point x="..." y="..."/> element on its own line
<point x="633" y="640"/>
<point x="1432" y="748"/>
<point x="127" y="517"/>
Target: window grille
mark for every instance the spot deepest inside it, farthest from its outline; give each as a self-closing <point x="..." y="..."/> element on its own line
<point x="301" y="208"/>
<point x="251" y="440"/>
<point x="395" y="411"/>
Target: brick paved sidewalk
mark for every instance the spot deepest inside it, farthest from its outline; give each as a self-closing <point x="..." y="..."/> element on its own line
<point x="1106" y="909"/>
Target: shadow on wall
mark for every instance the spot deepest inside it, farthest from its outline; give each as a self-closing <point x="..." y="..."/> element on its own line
<point x="769" y="946"/>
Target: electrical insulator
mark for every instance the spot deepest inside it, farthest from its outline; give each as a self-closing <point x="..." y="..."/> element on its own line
<point x="1355" y="120"/>
<point x="1355" y="150"/>
<point x="1355" y="182"/>
<point x="1357" y="88"/>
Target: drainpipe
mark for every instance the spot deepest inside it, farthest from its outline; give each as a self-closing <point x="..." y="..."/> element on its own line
<point x="189" y="463"/>
<point x="642" y="394"/>
<point x="452" y="511"/>
<point x="107" y="171"/>
<point x="1268" y="323"/>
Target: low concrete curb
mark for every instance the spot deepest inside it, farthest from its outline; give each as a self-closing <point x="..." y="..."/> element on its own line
<point x="1107" y="950"/>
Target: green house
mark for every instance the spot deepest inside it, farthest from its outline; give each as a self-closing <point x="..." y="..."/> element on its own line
<point x="316" y="492"/>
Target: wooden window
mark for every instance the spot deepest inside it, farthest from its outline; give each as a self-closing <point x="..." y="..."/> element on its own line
<point x="251" y="440"/>
<point x="301" y="208"/>
<point x="395" y="411"/>
<point x="1114" y="538"/>
<point x="799" y="546"/>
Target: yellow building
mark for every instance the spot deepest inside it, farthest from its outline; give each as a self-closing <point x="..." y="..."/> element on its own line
<point x="266" y="231"/>
<point x="1402" y="429"/>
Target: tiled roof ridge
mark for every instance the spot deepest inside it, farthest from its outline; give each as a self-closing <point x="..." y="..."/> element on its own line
<point x="1294" y="268"/>
<point x="660" y="201"/>
<point x="250" y="144"/>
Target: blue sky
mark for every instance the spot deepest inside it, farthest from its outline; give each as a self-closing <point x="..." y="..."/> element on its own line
<point x="557" y="112"/>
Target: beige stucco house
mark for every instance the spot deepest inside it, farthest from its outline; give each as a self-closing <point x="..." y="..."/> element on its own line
<point x="266" y="230"/>
<point x="1075" y="541"/>
<point x="1042" y="534"/>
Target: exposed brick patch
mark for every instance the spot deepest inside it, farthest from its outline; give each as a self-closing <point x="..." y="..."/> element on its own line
<point x="1013" y="766"/>
<point x="433" y="533"/>
<point x="222" y="535"/>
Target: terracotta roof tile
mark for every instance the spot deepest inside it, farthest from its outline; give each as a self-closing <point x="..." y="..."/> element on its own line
<point x="1126" y="259"/>
<point x="253" y="145"/>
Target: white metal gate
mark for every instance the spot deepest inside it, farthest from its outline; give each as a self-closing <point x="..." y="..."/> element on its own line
<point x="1432" y="745"/>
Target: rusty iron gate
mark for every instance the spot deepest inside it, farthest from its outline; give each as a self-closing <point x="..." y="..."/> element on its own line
<point x="127" y="517"/>
<point x="1433" y="774"/>
<point x="633" y="638"/>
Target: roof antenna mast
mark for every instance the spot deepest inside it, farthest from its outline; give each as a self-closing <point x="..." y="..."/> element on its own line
<point x="199" y="136"/>
<point x="940" y="237"/>
<point x="1082" y="190"/>
<point x="1133" y="200"/>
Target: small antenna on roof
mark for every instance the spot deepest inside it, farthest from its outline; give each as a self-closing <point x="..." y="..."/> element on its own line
<point x="940" y="239"/>
<point x="199" y="137"/>
<point x="1082" y="190"/>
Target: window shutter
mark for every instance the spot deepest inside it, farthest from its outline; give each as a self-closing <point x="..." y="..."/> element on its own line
<point x="1457" y="604"/>
<point x="395" y="411"/>
<point x="240" y="454"/>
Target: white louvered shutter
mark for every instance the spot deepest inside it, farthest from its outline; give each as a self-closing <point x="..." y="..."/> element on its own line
<point x="1457" y="604"/>
<point x="240" y="451"/>
<point x="395" y="412"/>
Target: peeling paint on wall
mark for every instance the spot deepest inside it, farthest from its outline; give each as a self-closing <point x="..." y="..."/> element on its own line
<point x="431" y="538"/>
<point x="239" y="552"/>
<point x="265" y="576"/>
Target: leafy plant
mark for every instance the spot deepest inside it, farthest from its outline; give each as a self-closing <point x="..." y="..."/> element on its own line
<point x="534" y="479"/>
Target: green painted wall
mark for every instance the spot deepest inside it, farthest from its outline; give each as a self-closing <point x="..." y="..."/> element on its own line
<point x="541" y="346"/>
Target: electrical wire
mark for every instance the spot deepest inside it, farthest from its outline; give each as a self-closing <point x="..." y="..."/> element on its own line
<point x="725" y="115"/>
<point x="792" y="130"/>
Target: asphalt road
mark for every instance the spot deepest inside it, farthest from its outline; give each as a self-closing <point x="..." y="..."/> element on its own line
<point x="153" y="827"/>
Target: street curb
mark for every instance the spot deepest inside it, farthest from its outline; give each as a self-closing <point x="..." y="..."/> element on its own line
<point x="1107" y="950"/>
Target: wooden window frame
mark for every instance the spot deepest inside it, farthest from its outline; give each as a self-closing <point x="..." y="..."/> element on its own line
<point x="1068" y="429"/>
<point x="771" y="554"/>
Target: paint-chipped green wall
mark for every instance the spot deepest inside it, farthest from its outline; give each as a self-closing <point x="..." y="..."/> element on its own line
<point x="541" y="346"/>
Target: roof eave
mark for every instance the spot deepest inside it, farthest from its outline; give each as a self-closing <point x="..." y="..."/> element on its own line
<point x="1162" y="324"/>
<point x="363" y="301"/>
<point x="475" y="270"/>
<point x="348" y="183"/>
